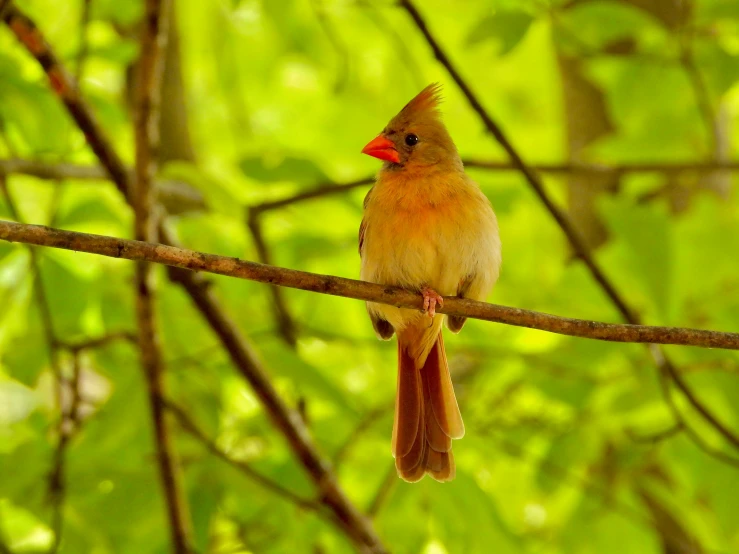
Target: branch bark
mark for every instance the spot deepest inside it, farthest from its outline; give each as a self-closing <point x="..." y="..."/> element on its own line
<point x="359" y="290"/>
<point x="578" y="244"/>
<point x="146" y="134"/>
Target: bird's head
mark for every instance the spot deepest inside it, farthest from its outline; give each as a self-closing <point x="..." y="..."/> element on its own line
<point x="416" y="137"/>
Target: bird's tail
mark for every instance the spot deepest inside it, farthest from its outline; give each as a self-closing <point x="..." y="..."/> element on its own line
<point x="427" y="416"/>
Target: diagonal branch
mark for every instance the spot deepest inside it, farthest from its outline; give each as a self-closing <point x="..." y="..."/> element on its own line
<point x="578" y="244"/>
<point x="357" y="527"/>
<point x="66" y="89"/>
<point x="360" y="290"/>
<point x="286" y="419"/>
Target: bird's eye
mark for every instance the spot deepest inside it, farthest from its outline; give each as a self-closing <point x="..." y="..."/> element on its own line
<point x="411" y="139"/>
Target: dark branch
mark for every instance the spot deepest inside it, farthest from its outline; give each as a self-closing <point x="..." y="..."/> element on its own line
<point x="576" y="241"/>
<point x="285" y="321"/>
<point x="66" y="89"/>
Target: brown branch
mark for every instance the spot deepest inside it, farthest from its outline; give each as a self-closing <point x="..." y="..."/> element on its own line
<point x="577" y="243"/>
<point x="173" y="188"/>
<point x="286" y="419"/>
<point x="619" y="168"/>
<point x="285" y="321"/>
<point x="66" y="89"/>
<point x="60" y="171"/>
<point x="176" y="196"/>
<point x="356" y="526"/>
<point x="325" y="189"/>
<point x="146" y="133"/>
<point x="350" y="288"/>
<point x="98" y="342"/>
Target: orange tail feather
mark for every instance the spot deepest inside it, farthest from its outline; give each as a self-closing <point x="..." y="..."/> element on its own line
<point x="427" y="416"/>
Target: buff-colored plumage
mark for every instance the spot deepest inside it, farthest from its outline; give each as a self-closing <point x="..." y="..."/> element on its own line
<point x="426" y="225"/>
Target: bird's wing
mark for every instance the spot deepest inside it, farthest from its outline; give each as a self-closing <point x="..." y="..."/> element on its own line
<point x="363" y="225"/>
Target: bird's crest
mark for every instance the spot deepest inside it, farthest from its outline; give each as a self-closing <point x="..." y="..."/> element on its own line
<point x="427" y="101"/>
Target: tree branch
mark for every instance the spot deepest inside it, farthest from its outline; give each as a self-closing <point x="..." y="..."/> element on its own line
<point x="287" y="420"/>
<point x="350" y="288"/>
<point x="66" y="89"/>
<point x="146" y="134"/>
<point x="60" y="171"/>
<point x="285" y="321"/>
<point x="577" y="243"/>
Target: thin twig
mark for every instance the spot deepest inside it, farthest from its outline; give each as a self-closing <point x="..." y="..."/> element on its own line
<point x="383" y="491"/>
<point x="355" y="525"/>
<point x="360" y="290"/>
<point x="170" y="192"/>
<point x="576" y="241"/>
<point x="98" y="342"/>
<point x="191" y="427"/>
<point x="84" y="47"/>
<point x="61" y="171"/>
<point x="57" y="475"/>
<point x="173" y="188"/>
<point x="146" y="132"/>
<point x="285" y="321"/>
<point x="682" y="424"/>
<point x="367" y="421"/>
<point x="337" y="43"/>
<point x="324" y="189"/>
<point x="702" y="96"/>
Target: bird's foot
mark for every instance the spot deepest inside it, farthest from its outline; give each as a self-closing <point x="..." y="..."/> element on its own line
<point x="430" y="299"/>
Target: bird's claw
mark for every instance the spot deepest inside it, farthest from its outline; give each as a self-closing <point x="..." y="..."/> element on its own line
<point x="430" y="299"/>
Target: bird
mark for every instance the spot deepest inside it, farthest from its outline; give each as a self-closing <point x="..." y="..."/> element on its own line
<point x="427" y="227"/>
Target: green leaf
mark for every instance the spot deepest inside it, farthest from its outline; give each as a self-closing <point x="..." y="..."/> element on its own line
<point x="505" y="28"/>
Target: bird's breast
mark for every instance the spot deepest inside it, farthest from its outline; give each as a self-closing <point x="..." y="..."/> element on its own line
<point x="416" y="244"/>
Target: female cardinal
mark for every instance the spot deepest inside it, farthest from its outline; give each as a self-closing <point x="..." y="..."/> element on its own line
<point x="427" y="227"/>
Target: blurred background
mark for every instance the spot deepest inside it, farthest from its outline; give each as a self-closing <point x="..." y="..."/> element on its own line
<point x="630" y="110"/>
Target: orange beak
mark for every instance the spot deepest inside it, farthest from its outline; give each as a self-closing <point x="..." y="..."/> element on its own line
<point x="383" y="149"/>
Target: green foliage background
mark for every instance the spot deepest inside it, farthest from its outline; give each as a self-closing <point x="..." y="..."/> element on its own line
<point x="281" y="96"/>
